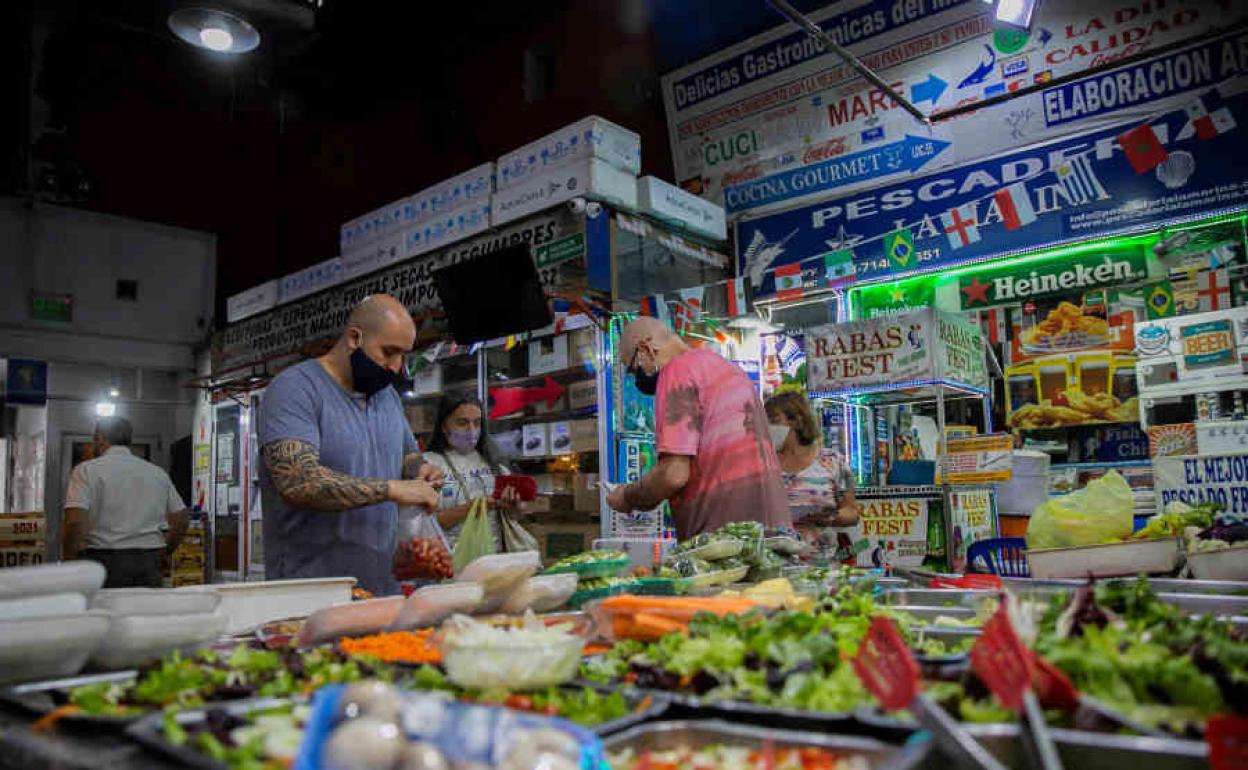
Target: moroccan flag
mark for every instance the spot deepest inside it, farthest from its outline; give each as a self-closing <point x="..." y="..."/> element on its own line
<point x="1159" y="300"/>
<point x="789" y="281"/>
<point x="1014" y="203"/>
<point x="899" y="246"/>
<point x="1143" y="148"/>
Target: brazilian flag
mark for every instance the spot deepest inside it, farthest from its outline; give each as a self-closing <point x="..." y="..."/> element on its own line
<point x="1159" y="300"/>
<point x="899" y="246"/>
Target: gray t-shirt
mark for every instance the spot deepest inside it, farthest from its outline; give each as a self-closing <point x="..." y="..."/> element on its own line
<point x="366" y="438"/>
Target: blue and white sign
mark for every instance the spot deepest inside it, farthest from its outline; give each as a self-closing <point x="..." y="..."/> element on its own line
<point x="905" y="156"/>
<point x="1078" y="188"/>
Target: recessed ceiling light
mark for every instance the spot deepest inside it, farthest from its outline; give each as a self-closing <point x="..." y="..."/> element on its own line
<point x="214" y="30"/>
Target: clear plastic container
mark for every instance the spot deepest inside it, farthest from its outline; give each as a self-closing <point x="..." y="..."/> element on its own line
<point x="498" y="575"/>
<point x="79" y="577"/>
<point x="154" y="601"/>
<point x="541" y="593"/>
<point x="133" y="640"/>
<point x="511" y="663"/>
<point x="49" y="647"/>
<point x="431" y="605"/>
<point x="42" y="606"/>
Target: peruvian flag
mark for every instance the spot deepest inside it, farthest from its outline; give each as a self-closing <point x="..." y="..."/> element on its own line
<point x="789" y="281"/>
<point x="654" y="306"/>
<point x="993" y="323"/>
<point x="960" y="226"/>
<point x="1015" y="206"/>
<point x="1143" y="148"/>
<point x="736" y="297"/>
<point x="1207" y="117"/>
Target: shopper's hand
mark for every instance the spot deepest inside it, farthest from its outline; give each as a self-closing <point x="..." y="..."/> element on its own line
<point x="431" y="474"/>
<point x="509" y="500"/>
<point x="617" y="500"/>
<point x="413" y="492"/>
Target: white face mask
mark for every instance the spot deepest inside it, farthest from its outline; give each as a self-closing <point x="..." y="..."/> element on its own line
<point x="779" y="433"/>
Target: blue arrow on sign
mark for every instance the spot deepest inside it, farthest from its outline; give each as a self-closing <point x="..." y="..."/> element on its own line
<point x="906" y="155"/>
<point x="928" y="90"/>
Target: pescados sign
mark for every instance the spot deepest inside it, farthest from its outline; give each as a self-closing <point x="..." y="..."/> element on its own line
<point x="1016" y="283"/>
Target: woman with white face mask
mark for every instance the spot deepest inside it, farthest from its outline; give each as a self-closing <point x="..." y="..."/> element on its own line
<point x="819" y="483"/>
<point x="460" y="448"/>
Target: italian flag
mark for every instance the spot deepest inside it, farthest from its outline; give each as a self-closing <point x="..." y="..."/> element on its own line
<point x="1014" y="203"/>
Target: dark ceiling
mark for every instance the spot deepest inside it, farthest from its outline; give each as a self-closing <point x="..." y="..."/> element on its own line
<point x="340" y="110"/>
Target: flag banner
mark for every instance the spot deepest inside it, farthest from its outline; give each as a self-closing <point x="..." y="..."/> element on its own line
<point x="1207" y="116"/>
<point x="1159" y="300"/>
<point x="654" y="306"/>
<point x="1213" y="289"/>
<point x="899" y="246"/>
<point x="838" y="268"/>
<point x="1144" y="150"/>
<point x="735" y="294"/>
<point x="789" y="282"/>
<point x="1078" y="188"/>
<point x="1014" y="203"/>
<point x="960" y="226"/>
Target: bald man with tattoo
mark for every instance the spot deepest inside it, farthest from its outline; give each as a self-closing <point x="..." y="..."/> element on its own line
<point x="716" y="460"/>
<point x="339" y="456"/>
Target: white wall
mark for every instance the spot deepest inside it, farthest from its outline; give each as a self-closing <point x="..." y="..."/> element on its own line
<point x="68" y="251"/>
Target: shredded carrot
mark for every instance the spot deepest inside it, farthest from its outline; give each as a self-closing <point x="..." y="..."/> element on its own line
<point x="48" y="721"/>
<point x="596" y="649"/>
<point x="396" y="646"/>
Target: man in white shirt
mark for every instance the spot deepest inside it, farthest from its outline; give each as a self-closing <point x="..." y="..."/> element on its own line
<point x="116" y="508"/>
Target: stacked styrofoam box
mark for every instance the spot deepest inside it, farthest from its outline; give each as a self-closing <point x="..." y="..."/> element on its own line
<point x="447" y="227"/>
<point x="591" y="158"/>
<point x="671" y="204"/>
<point x="388" y="220"/>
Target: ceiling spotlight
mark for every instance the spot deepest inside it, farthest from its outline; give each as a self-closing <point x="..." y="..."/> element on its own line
<point x="114" y="392"/>
<point x="1016" y="13"/>
<point x="214" y="30"/>
<point x="105" y="409"/>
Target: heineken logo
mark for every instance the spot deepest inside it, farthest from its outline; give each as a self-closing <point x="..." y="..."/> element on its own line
<point x="1015" y="284"/>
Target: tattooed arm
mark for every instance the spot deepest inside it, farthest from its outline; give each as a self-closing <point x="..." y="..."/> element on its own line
<point x="664" y="480"/>
<point x="301" y="480"/>
<point x="415" y="467"/>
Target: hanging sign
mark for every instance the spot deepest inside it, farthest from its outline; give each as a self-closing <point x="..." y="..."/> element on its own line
<point x="978" y="459"/>
<point x="1221" y="479"/>
<point x="1012" y="284"/>
<point x="971" y="519"/>
<point x="890" y="532"/>
<point x="1097" y="184"/>
<point x="891" y="299"/>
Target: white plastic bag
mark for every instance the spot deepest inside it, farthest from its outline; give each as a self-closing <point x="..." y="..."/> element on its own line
<point x="431" y="605"/>
<point x="541" y="593"/>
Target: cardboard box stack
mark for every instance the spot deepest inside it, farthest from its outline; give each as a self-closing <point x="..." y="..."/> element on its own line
<point x="592" y="158"/>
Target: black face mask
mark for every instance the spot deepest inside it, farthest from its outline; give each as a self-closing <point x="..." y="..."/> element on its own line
<point x="647" y="384"/>
<point x="369" y="376"/>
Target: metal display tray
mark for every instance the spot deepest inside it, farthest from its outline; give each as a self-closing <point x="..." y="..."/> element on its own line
<point x="952" y="599"/>
<point x="1094" y="751"/>
<point x="928" y="614"/>
<point x="684" y="705"/>
<point x="669" y="735"/>
<point x="1163" y="585"/>
<point x="43" y="697"/>
<point x="150" y="732"/>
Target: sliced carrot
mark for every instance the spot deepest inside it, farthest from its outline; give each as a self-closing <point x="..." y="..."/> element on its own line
<point x="48" y="721"/>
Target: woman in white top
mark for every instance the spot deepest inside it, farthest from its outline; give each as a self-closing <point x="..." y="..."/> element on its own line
<point x="819" y="483"/>
<point x="460" y="448"/>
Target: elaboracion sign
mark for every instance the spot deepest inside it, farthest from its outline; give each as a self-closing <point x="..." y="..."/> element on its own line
<point x="1178" y="164"/>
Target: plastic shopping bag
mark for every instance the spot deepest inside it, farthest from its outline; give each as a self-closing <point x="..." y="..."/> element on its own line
<point x="475" y="538"/>
<point x="423" y="552"/>
<point x="1101" y="512"/>
<point x="515" y="537"/>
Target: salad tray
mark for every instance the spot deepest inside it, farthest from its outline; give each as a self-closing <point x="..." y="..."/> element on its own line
<point x="1160" y="555"/>
<point x="44" y="697"/>
<point x="592" y="569"/>
<point x="673" y="735"/>
<point x="1081" y="750"/>
<point x="150" y="732"/>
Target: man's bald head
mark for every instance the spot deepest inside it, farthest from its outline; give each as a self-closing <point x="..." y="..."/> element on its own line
<point x="651" y="333"/>
<point x="383" y="328"/>
<point x="376" y="312"/>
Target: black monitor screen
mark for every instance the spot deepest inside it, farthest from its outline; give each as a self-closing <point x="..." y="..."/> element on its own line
<point x="493" y="295"/>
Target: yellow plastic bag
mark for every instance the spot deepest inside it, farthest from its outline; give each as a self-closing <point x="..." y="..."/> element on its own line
<point x="1101" y="512"/>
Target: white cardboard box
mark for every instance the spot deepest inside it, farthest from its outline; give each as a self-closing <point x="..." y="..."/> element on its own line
<point x="472" y="186"/>
<point x="389" y="219"/>
<point x="447" y="228"/>
<point x="587" y="178"/>
<point x="373" y="256"/>
<point x="535" y="440"/>
<point x="591" y="137"/>
<point x="309" y="280"/>
<point x="255" y="300"/>
<point x="548" y="354"/>
<point x="1222" y="437"/>
<point x="672" y="204"/>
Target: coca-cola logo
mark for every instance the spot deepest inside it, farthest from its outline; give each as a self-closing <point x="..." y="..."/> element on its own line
<point x="752" y="171"/>
<point x="829" y="149"/>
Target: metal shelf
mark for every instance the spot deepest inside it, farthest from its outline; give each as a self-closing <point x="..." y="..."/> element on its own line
<point x="1176" y="390"/>
<point x="932" y="490"/>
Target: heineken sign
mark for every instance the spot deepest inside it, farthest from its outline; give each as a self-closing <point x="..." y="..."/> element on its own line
<point x="1019" y="283"/>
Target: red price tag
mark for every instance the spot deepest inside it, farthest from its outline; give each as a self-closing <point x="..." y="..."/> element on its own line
<point x="1228" y="742"/>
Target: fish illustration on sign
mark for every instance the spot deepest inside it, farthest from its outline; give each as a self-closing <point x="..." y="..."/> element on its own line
<point x="982" y="71"/>
<point x="761" y="253"/>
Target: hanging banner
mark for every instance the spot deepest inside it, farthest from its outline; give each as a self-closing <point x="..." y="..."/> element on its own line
<point x="1221" y="479"/>
<point x="891" y="299"/>
<point x="1074" y="189"/>
<point x="775" y="104"/>
<point x="289" y="327"/>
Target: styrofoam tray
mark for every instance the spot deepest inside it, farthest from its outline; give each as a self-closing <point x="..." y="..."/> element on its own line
<point x="133" y="640"/>
<point x="47" y="647"/>
<point x="154" y="601"/>
<point x="1227" y="564"/>
<point x="81" y="577"/>
<point x="42" y="606"/>
<point x="247" y="605"/>
<point x="1109" y="560"/>
<point x="541" y="593"/>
